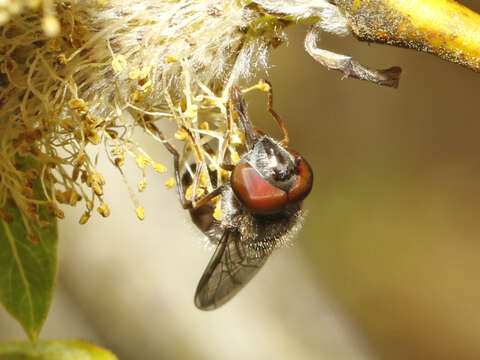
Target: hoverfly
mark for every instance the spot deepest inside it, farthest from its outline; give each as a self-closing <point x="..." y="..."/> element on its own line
<point x="260" y="205"/>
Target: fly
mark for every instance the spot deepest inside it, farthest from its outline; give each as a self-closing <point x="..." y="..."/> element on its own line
<point x="260" y="205"/>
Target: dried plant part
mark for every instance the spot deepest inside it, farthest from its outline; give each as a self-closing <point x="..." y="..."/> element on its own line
<point x="350" y="67"/>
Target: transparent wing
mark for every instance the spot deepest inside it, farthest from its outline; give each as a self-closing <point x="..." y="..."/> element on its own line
<point x="230" y="268"/>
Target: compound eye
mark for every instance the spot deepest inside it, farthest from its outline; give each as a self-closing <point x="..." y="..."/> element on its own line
<point x="255" y="192"/>
<point x="303" y="183"/>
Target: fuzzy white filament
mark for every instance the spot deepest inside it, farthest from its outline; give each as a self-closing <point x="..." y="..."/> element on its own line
<point x="120" y="64"/>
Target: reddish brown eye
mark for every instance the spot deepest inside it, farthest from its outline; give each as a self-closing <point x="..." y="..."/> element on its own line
<point x="255" y="192"/>
<point x="303" y="183"/>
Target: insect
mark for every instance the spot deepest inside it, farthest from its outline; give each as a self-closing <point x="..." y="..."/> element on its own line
<point x="260" y="205"/>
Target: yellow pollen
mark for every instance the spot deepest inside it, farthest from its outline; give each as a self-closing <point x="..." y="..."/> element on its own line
<point x="191" y="111"/>
<point x="262" y="86"/>
<point x="79" y="105"/>
<point x="217" y="213"/>
<point x="142" y="161"/>
<point x="181" y="135"/>
<point x="132" y="75"/>
<point x="84" y="218"/>
<point x="140" y="212"/>
<point x="235" y="157"/>
<point x="103" y="210"/>
<point x="170" y="183"/>
<point x="119" y="63"/>
<point x="204" y="125"/>
<point x="170" y="59"/>
<point x="160" y="168"/>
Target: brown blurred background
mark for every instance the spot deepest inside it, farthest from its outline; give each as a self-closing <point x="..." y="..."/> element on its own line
<point x="387" y="265"/>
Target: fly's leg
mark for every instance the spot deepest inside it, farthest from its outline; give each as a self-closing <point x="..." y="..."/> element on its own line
<point x="196" y="203"/>
<point x="226" y="140"/>
<point x="199" y="167"/>
<point x="277" y="118"/>
<point x="251" y="134"/>
<point x="186" y="204"/>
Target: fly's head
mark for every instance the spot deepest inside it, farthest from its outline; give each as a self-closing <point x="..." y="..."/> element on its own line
<point x="270" y="179"/>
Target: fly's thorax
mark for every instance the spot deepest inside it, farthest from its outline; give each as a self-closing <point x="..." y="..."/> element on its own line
<point x="270" y="232"/>
<point x="275" y="164"/>
<point x="265" y="230"/>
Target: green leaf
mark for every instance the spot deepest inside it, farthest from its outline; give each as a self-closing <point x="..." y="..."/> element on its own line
<point x="53" y="350"/>
<point x="28" y="270"/>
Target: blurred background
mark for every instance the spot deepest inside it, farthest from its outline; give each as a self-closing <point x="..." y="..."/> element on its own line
<point x="387" y="264"/>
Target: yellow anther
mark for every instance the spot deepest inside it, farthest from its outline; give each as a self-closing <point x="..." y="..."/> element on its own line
<point x="142" y="161"/>
<point x="59" y="213"/>
<point x="203" y="179"/>
<point x="191" y="111"/>
<point x="89" y="204"/>
<point x="136" y="95"/>
<point x="189" y="192"/>
<point x="262" y="86"/>
<point x="215" y="200"/>
<point x="97" y="189"/>
<point x="160" y="168"/>
<point x="72" y="197"/>
<point x="142" y="185"/>
<point x="98" y="178"/>
<point x="170" y="59"/>
<point x="204" y="125"/>
<point x="140" y="212"/>
<point x="103" y="210"/>
<point x="224" y="174"/>
<point x="93" y="137"/>
<point x="79" y="105"/>
<point x="143" y="73"/>
<point x="133" y="74"/>
<point x="62" y="59"/>
<point x="236" y="139"/>
<point x="217" y="213"/>
<point x="145" y="84"/>
<point x="67" y="124"/>
<point x="33" y="4"/>
<point x="119" y="63"/>
<point x="170" y="183"/>
<point x="181" y="135"/>
<point x="84" y="218"/>
<point x="60" y="196"/>
<point x="79" y="160"/>
<point x="235" y="157"/>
